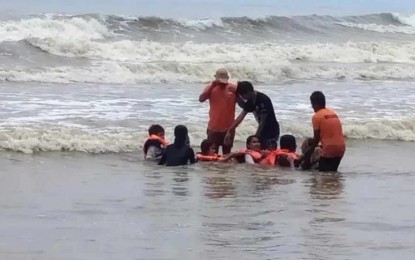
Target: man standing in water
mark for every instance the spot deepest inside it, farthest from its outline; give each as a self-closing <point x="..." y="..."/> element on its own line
<point x="261" y="106"/>
<point x="222" y="100"/>
<point x="327" y="129"/>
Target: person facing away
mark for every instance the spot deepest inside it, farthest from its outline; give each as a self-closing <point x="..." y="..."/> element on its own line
<point x="222" y="101"/>
<point x="155" y="143"/>
<point x="327" y="129"/>
<point x="286" y="156"/>
<point x="208" y="153"/>
<point x="178" y="153"/>
<point x="261" y="106"/>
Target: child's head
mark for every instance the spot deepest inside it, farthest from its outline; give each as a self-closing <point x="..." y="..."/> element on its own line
<point x="207" y="147"/>
<point x="156" y="130"/>
<point x="288" y="142"/>
<point x="253" y="143"/>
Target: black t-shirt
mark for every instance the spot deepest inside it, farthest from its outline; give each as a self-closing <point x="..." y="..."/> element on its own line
<point x="263" y="106"/>
<point x="175" y="156"/>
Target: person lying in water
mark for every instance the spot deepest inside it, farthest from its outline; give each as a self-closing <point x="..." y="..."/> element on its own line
<point x="285" y="156"/>
<point x="253" y="153"/>
<point x="208" y="153"/>
<point x="178" y="153"/>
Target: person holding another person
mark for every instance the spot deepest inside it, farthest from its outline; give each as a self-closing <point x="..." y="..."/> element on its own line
<point x="208" y="153"/>
<point x="155" y="143"/>
<point x="327" y="129"/>
<point x="261" y="106"/>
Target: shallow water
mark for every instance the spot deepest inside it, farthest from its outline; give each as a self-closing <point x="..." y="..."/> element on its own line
<point x="114" y="206"/>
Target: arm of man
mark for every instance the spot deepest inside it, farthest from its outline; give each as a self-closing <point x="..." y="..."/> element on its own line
<point x="235" y="124"/>
<point x="261" y="125"/>
<point x="206" y="92"/>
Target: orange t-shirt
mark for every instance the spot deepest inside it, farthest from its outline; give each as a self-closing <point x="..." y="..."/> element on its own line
<point x="222" y="101"/>
<point x="331" y="133"/>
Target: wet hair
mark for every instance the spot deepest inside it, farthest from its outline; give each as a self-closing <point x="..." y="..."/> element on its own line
<point x="155" y="129"/>
<point x="205" y="146"/>
<point x="249" y="139"/>
<point x="318" y="98"/>
<point x="244" y="87"/>
<point x="288" y="142"/>
<point x="181" y="135"/>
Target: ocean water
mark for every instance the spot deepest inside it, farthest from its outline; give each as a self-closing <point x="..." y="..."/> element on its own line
<point x="78" y="92"/>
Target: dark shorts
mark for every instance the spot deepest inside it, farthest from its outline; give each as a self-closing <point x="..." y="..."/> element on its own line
<point x="329" y="164"/>
<point x="269" y="144"/>
<point x="218" y="139"/>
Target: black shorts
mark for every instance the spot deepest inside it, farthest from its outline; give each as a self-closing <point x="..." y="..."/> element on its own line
<point x="218" y="139"/>
<point x="329" y="164"/>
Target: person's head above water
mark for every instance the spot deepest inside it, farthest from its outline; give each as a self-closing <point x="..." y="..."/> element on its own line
<point x="245" y="90"/>
<point x="288" y="142"/>
<point x="222" y="76"/>
<point x="156" y="130"/>
<point x="181" y="135"/>
<point x="253" y="143"/>
<point x="318" y="100"/>
<point x="207" y="147"/>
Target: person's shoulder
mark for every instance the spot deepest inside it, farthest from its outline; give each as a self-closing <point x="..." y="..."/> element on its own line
<point x="330" y="111"/>
<point x="263" y="96"/>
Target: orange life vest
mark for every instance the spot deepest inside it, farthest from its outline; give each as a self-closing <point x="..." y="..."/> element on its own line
<point x="207" y="158"/>
<point x="257" y="156"/>
<point x="154" y="140"/>
<point x="271" y="158"/>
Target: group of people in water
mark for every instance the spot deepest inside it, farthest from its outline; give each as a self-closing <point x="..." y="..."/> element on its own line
<point x="324" y="151"/>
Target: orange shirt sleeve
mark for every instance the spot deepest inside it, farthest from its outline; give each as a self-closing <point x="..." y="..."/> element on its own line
<point x="316" y="122"/>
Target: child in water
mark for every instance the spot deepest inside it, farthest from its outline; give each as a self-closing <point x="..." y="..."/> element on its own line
<point x="208" y="153"/>
<point x="253" y="153"/>
<point x="155" y="144"/>
<point x="286" y="156"/>
<point x="178" y="153"/>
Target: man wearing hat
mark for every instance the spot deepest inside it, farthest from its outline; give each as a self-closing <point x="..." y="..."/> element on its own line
<point x="222" y="100"/>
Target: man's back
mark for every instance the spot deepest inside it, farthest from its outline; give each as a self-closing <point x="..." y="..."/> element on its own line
<point x="222" y="102"/>
<point x="331" y="132"/>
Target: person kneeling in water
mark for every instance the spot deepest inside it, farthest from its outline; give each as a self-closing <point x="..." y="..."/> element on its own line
<point x="178" y="153"/>
<point x="253" y="153"/>
<point x="155" y="143"/>
<point x="208" y="153"/>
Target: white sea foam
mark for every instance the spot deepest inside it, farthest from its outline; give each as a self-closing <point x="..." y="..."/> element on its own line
<point x="29" y="140"/>
<point x="71" y="29"/>
<point x="380" y="27"/>
<point x="202" y="24"/>
<point x="151" y="62"/>
<point x="409" y="20"/>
